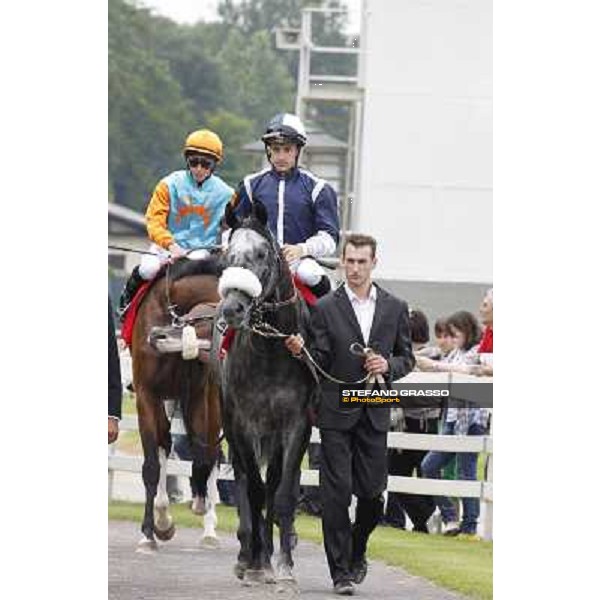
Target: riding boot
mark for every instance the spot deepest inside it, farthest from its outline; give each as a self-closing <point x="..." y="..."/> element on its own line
<point x="131" y="287"/>
<point x="322" y="288"/>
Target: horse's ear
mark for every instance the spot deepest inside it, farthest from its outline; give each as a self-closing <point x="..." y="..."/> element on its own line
<point x="231" y="218"/>
<point x="260" y="212"/>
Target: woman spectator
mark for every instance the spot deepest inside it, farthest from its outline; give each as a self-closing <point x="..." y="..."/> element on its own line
<point x="468" y="420"/>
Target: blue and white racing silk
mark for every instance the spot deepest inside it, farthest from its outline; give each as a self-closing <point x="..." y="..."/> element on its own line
<point x="301" y="208"/>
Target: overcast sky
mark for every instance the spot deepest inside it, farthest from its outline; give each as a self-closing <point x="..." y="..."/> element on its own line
<point x="190" y="11"/>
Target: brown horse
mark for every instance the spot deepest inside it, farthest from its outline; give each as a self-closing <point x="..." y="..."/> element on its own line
<point x="182" y="300"/>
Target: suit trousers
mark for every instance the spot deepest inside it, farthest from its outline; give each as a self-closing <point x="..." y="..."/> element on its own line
<point x="352" y="461"/>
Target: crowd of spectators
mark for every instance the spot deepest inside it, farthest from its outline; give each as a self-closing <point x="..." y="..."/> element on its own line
<point x="461" y="346"/>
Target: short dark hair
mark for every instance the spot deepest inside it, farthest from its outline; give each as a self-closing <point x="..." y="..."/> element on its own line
<point x="441" y="327"/>
<point x="360" y="239"/>
<point x="466" y="323"/>
<point x="419" y="327"/>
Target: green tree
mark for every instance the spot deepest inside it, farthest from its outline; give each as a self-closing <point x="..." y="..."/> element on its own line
<point x="250" y="16"/>
<point x="147" y="112"/>
<point x="189" y="54"/>
<point x="235" y="131"/>
<point x="256" y="83"/>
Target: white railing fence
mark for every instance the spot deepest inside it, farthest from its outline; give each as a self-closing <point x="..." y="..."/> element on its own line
<point x="406" y="441"/>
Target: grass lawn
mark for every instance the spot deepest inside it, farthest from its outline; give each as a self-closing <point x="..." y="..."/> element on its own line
<point x="458" y="565"/>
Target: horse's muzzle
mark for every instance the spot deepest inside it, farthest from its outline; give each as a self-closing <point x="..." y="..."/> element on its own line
<point x="234" y="308"/>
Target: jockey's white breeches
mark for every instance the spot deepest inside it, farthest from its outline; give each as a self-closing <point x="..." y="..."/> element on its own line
<point x="151" y="263"/>
<point x="308" y="270"/>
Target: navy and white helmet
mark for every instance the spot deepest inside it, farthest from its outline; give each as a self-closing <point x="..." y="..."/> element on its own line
<point x="285" y="127"/>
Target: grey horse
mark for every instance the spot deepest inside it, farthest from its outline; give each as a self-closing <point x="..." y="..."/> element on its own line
<point x="266" y="394"/>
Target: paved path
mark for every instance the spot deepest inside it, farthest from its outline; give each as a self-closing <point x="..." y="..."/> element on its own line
<point x="182" y="570"/>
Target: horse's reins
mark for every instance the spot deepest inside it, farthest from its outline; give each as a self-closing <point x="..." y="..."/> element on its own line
<point x="258" y="326"/>
<point x="268" y="331"/>
<point x="136" y="251"/>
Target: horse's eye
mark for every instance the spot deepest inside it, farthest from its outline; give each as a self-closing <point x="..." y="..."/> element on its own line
<point x="261" y="255"/>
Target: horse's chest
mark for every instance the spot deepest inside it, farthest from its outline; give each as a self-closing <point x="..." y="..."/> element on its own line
<point x="265" y="401"/>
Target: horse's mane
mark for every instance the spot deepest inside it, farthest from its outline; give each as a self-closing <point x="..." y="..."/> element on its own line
<point x="184" y="267"/>
<point x="251" y="222"/>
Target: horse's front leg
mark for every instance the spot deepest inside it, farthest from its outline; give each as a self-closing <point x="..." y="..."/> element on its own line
<point x="209" y="536"/>
<point x="156" y="442"/>
<point x="203" y="423"/>
<point x="253" y="565"/>
<point x="273" y="479"/>
<point x="244" y="531"/>
<point x="286" y="497"/>
<point x="164" y="528"/>
<point x="256" y="498"/>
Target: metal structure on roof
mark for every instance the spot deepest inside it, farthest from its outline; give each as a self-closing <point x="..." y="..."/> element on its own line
<point x="327" y="88"/>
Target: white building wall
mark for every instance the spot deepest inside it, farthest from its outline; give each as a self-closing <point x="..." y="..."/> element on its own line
<point x="425" y="169"/>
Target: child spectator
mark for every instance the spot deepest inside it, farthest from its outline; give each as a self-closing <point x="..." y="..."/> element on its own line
<point x="459" y="421"/>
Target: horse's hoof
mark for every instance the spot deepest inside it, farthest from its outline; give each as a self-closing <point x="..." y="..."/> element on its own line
<point x="285" y="574"/>
<point x="269" y="576"/>
<point x="239" y="569"/>
<point x="253" y="577"/>
<point x="288" y="588"/>
<point x="210" y="541"/>
<point x="164" y="535"/>
<point x="147" y="546"/>
<point x="198" y="505"/>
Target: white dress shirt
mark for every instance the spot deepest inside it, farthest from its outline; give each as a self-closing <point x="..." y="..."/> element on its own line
<point x="363" y="309"/>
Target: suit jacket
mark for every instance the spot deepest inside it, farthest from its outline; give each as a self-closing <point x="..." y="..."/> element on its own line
<point x="114" y="369"/>
<point x="334" y="329"/>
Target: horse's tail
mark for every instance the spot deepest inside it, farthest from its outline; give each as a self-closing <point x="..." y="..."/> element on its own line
<point x="211" y="402"/>
<point x="202" y="413"/>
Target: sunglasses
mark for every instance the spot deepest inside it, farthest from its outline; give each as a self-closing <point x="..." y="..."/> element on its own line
<point x="203" y="161"/>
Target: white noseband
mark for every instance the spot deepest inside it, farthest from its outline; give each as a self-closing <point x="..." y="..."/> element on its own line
<point x="238" y="278"/>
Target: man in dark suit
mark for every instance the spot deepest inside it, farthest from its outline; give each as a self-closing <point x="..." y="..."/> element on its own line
<point x="354" y="438"/>
<point x="114" y="380"/>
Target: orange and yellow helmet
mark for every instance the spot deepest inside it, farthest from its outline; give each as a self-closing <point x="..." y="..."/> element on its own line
<point x="204" y="141"/>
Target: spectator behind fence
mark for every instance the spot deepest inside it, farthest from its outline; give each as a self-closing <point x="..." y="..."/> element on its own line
<point x="445" y="345"/>
<point x="486" y="346"/>
<point x="419" y="331"/>
<point x="459" y="421"/>
<point x="443" y="339"/>
<point x="404" y="462"/>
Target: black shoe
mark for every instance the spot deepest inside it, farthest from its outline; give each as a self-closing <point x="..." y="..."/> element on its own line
<point x="421" y="528"/>
<point x="343" y="587"/>
<point x="131" y="287"/>
<point x="359" y="570"/>
<point x="322" y="288"/>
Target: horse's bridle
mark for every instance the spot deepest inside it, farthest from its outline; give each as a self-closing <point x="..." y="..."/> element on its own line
<point x="259" y="305"/>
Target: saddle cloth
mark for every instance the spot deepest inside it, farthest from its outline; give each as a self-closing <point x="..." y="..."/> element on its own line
<point x="131" y="312"/>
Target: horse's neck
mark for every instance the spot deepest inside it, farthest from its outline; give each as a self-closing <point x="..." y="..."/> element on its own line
<point x="284" y="292"/>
